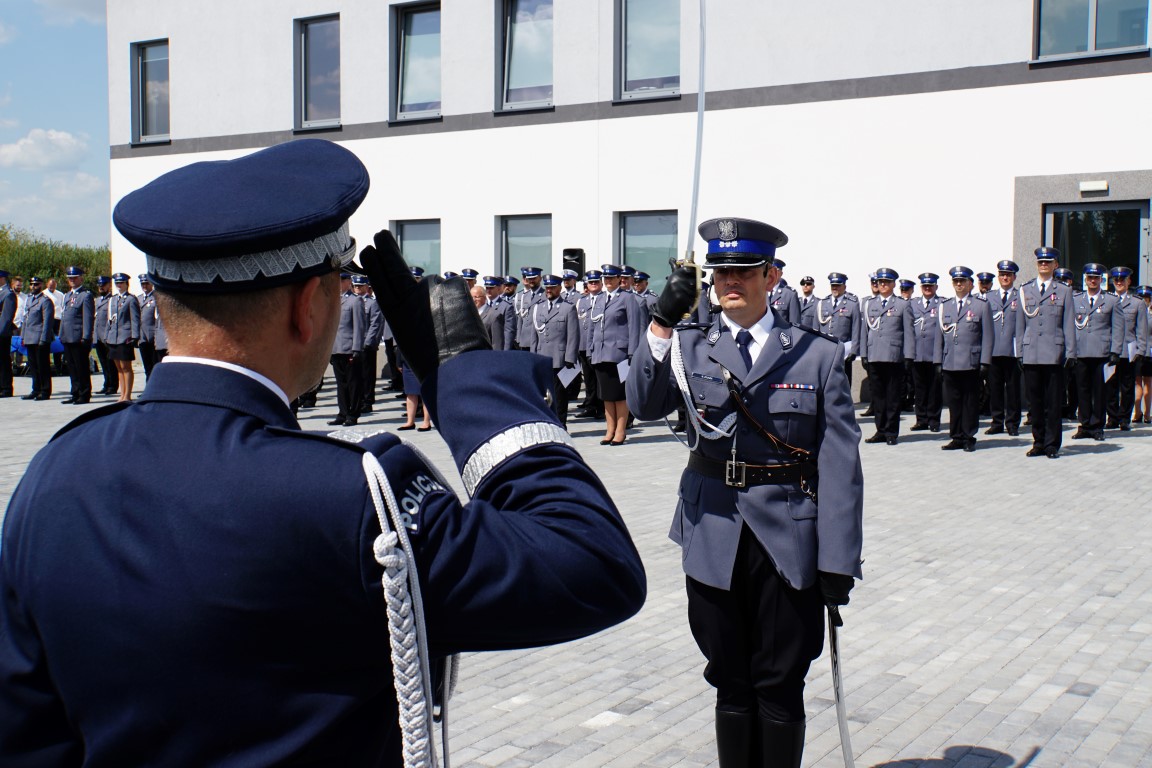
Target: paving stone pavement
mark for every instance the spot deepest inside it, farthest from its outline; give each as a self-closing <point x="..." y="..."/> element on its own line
<point x="1005" y="618"/>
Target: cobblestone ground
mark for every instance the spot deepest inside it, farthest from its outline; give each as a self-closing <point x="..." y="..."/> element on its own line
<point x="1004" y="619"/>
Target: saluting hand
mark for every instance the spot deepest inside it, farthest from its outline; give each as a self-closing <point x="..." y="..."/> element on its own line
<point x="677" y="298"/>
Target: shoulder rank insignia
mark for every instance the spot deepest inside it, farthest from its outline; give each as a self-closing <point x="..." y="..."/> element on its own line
<point x="785" y="340"/>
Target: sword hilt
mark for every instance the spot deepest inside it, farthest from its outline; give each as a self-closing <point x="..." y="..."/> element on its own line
<point x="834" y="616"/>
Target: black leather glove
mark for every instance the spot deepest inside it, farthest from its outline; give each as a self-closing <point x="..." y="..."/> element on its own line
<point x="569" y="365"/>
<point x="984" y="367"/>
<point x="848" y="360"/>
<point x="1113" y="359"/>
<point x="677" y="298"/>
<point x="432" y="320"/>
<point x="835" y="587"/>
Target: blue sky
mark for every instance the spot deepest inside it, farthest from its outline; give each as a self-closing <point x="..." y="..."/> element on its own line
<point x="54" y="119"/>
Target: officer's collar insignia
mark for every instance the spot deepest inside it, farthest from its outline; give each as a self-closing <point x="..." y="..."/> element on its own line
<point x="714" y="336"/>
<point x="728" y="229"/>
<point x="785" y="340"/>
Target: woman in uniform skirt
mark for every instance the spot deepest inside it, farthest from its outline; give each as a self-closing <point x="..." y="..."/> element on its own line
<point x="1143" y="412"/>
<point x="123" y="333"/>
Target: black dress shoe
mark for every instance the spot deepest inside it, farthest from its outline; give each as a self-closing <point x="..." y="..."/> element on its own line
<point x="350" y="422"/>
<point x="952" y="445"/>
<point x="995" y="429"/>
<point x="1081" y="434"/>
<point x="618" y="442"/>
<point x="933" y="427"/>
<point x="406" y="427"/>
<point x="605" y="442"/>
<point x="1097" y="435"/>
<point x="336" y="422"/>
<point x="6" y="394"/>
<point x="423" y="429"/>
<point x="1111" y="425"/>
<point x="68" y="401"/>
<point x="970" y="446"/>
<point x="29" y="396"/>
<point x="918" y="427"/>
<point x="1013" y="431"/>
<point x="43" y="397"/>
<point x="1035" y="451"/>
<point x="365" y="409"/>
<point x="1052" y="454"/>
<point x="892" y="440"/>
<point x="868" y="412"/>
<point x="681" y="427"/>
<point x="876" y="438"/>
<point x="1125" y="427"/>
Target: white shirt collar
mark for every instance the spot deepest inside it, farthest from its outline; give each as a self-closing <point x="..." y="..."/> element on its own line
<point x="267" y="382"/>
<point x="760" y="330"/>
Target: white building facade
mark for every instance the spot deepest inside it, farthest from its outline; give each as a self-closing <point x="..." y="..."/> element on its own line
<point x="914" y="134"/>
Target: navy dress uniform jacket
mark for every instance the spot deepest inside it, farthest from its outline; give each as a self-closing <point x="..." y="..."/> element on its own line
<point x="123" y="319"/>
<point x="223" y="606"/>
<point x="1099" y="328"/>
<point x="966" y="337"/>
<point x="797" y="389"/>
<point x="887" y="331"/>
<point x="1004" y="310"/>
<point x="77" y="317"/>
<point x="1046" y="324"/>
<point x="39" y="317"/>
<point x="556" y="332"/>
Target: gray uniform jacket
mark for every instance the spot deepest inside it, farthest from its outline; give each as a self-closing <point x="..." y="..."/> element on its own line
<point x="77" y="317"/>
<point x="39" y="314"/>
<point x="493" y="315"/>
<point x="1099" y="327"/>
<point x="555" y="332"/>
<point x="523" y="302"/>
<point x="1004" y="310"/>
<point x="570" y="296"/>
<point x="887" y="331"/>
<point x="1135" y="324"/>
<point x="7" y="311"/>
<point x="808" y="311"/>
<point x="616" y="328"/>
<point x="784" y="301"/>
<point x="101" y="317"/>
<point x="839" y="318"/>
<point x="798" y="391"/>
<point x="350" y="334"/>
<point x="148" y="316"/>
<point x="586" y="306"/>
<point x="123" y="319"/>
<point x="161" y="341"/>
<point x="926" y="328"/>
<point x="374" y="333"/>
<point x="511" y="321"/>
<point x="1046" y="324"/>
<point x="966" y="336"/>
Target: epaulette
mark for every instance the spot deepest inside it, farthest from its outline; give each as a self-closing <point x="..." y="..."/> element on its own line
<point x="851" y="296"/>
<point x="92" y="415"/>
<point x="691" y="326"/>
<point x="374" y="441"/>
<point x="980" y="296"/>
<point x="815" y="332"/>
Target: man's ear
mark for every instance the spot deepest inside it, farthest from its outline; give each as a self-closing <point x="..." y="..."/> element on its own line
<point x="304" y="312"/>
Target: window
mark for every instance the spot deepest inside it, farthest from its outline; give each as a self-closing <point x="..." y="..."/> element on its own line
<point x="418" y="84"/>
<point x="649" y="48"/>
<point x="150" y="91"/>
<point x="526" y="242"/>
<point x="527" y="54"/>
<point x="318" y="72"/>
<point x="1074" y="27"/>
<point x="647" y="240"/>
<point x="1111" y="233"/>
<point x="419" y="241"/>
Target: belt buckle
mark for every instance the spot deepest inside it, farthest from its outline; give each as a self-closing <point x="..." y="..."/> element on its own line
<point x="735" y="474"/>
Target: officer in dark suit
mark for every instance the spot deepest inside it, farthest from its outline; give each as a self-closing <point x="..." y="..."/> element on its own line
<point x="1046" y="339"/>
<point x="37" y="335"/>
<point x="770" y="513"/>
<point x="926" y="378"/>
<point x="76" y="327"/>
<point x="807" y="301"/>
<point x="838" y="315"/>
<point x="234" y="611"/>
<point x="107" y="366"/>
<point x="1122" y="385"/>
<point x="966" y="335"/>
<point x="1099" y="340"/>
<point x="1005" y="369"/>
<point x="556" y="336"/>
<point x="7" y="331"/>
<point x="887" y="346"/>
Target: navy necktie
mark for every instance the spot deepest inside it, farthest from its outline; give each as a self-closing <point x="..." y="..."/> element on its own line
<point x="743" y="339"/>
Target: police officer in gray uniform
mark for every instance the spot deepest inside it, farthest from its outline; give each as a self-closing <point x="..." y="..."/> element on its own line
<point x="770" y="513"/>
<point x="926" y="380"/>
<point x="7" y="328"/>
<point x="838" y="315"/>
<point x="1005" y="369"/>
<point x="569" y="292"/>
<point x="807" y="301"/>
<point x="347" y="348"/>
<point x="587" y="306"/>
<point x="647" y="295"/>
<point x="37" y="334"/>
<point x="966" y="335"/>
<point x="76" y="323"/>
<point x="888" y="343"/>
<point x="148" y="318"/>
<point x="1099" y="340"/>
<point x="616" y="332"/>
<point x="781" y="296"/>
<point x="373" y="335"/>
<point x="556" y="335"/>
<point x="523" y="302"/>
<point x="104" y="295"/>
<point x="1122" y="385"/>
<point x="494" y="312"/>
<point x="1046" y="339"/>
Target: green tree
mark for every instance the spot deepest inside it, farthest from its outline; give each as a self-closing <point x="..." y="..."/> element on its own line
<point x="24" y="253"/>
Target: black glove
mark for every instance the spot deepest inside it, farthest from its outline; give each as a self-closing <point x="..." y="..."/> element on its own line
<point x="984" y="367"/>
<point x="432" y="320"/>
<point x="907" y="365"/>
<point x="677" y="298"/>
<point x="569" y="365"/>
<point x="835" y="587"/>
<point x="1070" y="363"/>
<point x="848" y="360"/>
<point x="1113" y="359"/>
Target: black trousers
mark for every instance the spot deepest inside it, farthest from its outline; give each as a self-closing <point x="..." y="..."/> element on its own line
<point x="76" y="355"/>
<point x="1045" y="387"/>
<point x="5" y="365"/>
<point x="962" y="389"/>
<point x="759" y="637"/>
<point x="1122" y="392"/>
<point x="108" y="368"/>
<point x="1004" y="391"/>
<point x="148" y="357"/>
<point x="349" y="385"/>
<point x="560" y="398"/>
<point x="1090" y="390"/>
<point x="40" y="368"/>
<point x="368" y="362"/>
<point x="928" y="396"/>
<point x="887" y="396"/>
<point x="396" y="381"/>
<point x="591" y="392"/>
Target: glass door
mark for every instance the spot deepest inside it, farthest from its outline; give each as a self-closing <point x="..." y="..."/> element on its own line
<point x="1113" y="233"/>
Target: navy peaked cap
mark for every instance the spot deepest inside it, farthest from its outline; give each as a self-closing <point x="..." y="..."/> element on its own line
<point x="1063" y="273"/>
<point x="273" y="217"/>
<point x="103" y="280"/>
<point x="450" y="275"/>
<point x="643" y="276"/>
<point x="1119" y="272"/>
<point x="511" y="280"/>
<point x="1007" y="265"/>
<point x="38" y="279"/>
<point x="928" y="278"/>
<point x="807" y="280"/>
<point x="569" y="274"/>
<point x="531" y="271"/>
<point x="610" y="270"/>
<point x="960" y="272"/>
<point x="416" y="271"/>
<point x="70" y="272"/>
<point x="491" y="281"/>
<point x="627" y="270"/>
<point x="1047" y="253"/>
<point x="359" y="279"/>
<point x="119" y="277"/>
<point x="907" y="284"/>
<point x="885" y="273"/>
<point x="734" y="242"/>
<point x="550" y="280"/>
<point x="1095" y="269"/>
<point x="837" y="278"/>
<point x="985" y="277"/>
<point x="1144" y="291"/>
<point x="469" y="273"/>
<point x="592" y="276"/>
<point x="144" y="279"/>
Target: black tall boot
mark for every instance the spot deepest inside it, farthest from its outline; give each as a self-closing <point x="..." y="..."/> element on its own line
<point x="736" y="739"/>
<point x="781" y="744"/>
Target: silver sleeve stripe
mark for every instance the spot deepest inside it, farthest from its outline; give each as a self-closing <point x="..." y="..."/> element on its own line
<point x="338" y="245"/>
<point x="507" y="444"/>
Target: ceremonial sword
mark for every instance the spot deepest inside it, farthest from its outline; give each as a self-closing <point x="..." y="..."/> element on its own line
<point x="834" y="623"/>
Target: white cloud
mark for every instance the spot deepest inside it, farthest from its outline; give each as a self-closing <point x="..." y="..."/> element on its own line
<point x="6" y="33"/>
<point x="43" y="150"/>
<point x="71" y="11"/>
<point x="73" y="186"/>
<point x="9" y="122"/>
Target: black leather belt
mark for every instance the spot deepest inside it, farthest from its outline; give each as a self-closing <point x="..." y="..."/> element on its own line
<point x="739" y="474"/>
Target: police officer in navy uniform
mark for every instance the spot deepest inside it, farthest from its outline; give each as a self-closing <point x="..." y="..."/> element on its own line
<point x="1122" y="385"/>
<point x="232" y="611"/>
<point x="926" y="377"/>
<point x="76" y="327"/>
<point x="347" y="349"/>
<point x="107" y="366"/>
<point x="37" y="335"/>
<point x="888" y="345"/>
<point x="556" y="335"/>
<point x="7" y="331"/>
<point x="770" y="514"/>
<point x="966" y="335"/>
<point x="807" y="301"/>
<point x="838" y="315"/>
<point x="1046" y="340"/>
<point x="523" y="301"/>
<point x="148" y="319"/>
<point x="1099" y="340"/>
<point x="1005" y="369"/>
